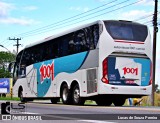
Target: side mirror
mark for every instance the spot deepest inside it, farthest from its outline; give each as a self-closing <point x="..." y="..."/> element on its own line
<point x="11" y="67"/>
<point x="22" y="71"/>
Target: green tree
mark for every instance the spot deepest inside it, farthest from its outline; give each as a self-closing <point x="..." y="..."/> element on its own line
<point x="4" y="73"/>
<point x="5" y="59"/>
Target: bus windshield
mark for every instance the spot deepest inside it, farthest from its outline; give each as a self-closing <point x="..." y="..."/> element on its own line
<point x="122" y="30"/>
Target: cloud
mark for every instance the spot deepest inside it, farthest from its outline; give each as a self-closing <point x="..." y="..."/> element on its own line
<point x="19" y="21"/>
<point x="158" y="58"/>
<point x="134" y="14"/>
<point x="5" y="8"/>
<point x="83" y="9"/>
<point x="6" y="18"/>
<point x="30" y="8"/>
<point x="102" y="1"/>
<point x="146" y="2"/>
<point x="75" y="8"/>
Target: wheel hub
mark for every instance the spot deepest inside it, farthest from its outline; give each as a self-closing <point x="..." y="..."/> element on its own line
<point x="76" y="95"/>
<point x="65" y="94"/>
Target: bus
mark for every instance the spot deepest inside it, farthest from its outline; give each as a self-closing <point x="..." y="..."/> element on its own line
<point x="106" y="61"/>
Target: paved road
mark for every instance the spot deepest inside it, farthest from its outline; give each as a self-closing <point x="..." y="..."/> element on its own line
<point x="89" y="113"/>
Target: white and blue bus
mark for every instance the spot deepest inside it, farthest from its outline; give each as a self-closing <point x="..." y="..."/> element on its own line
<point x="105" y="61"/>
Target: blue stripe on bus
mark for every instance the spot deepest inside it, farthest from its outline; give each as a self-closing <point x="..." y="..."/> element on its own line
<point x="68" y="64"/>
<point x="145" y="74"/>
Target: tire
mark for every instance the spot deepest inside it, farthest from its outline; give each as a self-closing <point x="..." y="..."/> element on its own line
<point x="104" y="102"/>
<point x="119" y="101"/>
<point x="54" y="100"/>
<point x="77" y="100"/>
<point x="65" y="95"/>
<point x="22" y="99"/>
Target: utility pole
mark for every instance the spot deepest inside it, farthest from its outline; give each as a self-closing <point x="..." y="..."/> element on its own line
<point x="155" y="30"/>
<point x="17" y="45"/>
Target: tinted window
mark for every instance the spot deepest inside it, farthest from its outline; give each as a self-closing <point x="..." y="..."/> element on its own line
<point x="80" y="41"/>
<point x="63" y="46"/>
<point x="18" y="58"/>
<point x="76" y="42"/>
<point x="126" y="30"/>
<point x="92" y="36"/>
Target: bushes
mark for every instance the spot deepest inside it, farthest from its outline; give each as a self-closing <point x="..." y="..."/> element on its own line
<point x="147" y="100"/>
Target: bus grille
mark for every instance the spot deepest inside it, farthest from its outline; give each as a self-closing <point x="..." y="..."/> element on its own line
<point x="91" y="81"/>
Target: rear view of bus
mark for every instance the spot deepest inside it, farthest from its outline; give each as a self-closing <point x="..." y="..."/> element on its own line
<point x="124" y="61"/>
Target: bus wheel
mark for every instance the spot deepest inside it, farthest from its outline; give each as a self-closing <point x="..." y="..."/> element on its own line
<point x="104" y="102"/>
<point x="65" y="95"/>
<point x="22" y="99"/>
<point x="119" y="101"/>
<point x="77" y="100"/>
<point x="54" y="100"/>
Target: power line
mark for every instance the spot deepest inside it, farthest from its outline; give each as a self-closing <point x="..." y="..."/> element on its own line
<point x="149" y="23"/>
<point x="141" y="18"/>
<point x="62" y="20"/>
<point x="144" y="17"/>
<point x="44" y="30"/>
<point x="4" y="40"/>
<point x="27" y="35"/>
<point x="68" y="18"/>
<point x="71" y="19"/>
<point x="82" y="20"/>
<point x="89" y="18"/>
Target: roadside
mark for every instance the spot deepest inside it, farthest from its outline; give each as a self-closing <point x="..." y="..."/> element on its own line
<point x="8" y="98"/>
<point x="145" y="100"/>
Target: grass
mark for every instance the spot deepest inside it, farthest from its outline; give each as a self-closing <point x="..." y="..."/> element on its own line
<point x="146" y="100"/>
<point x="9" y="98"/>
<point x="90" y="102"/>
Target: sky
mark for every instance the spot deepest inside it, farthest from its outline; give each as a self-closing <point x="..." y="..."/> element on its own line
<point x="34" y="20"/>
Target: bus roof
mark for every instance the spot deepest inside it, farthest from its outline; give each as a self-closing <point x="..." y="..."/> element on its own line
<point x="70" y="31"/>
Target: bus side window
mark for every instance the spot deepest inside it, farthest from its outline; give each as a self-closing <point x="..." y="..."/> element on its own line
<point x="52" y="49"/>
<point x="47" y="52"/>
<point x="19" y="72"/>
<point x="37" y="55"/>
<point x="63" y="46"/>
<point x="71" y="47"/>
<point x="21" y="66"/>
<point x="95" y="35"/>
<point x="71" y="44"/>
<point x="88" y="38"/>
<point x="15" y="75"/>
<point x="30" y="56"/>
<point x="80" y="41"/>
<point x="55" y="51"/>
<point x="83" y="43"/>
<point x="40" y="53"/>
<point x="22" y="71"/>
<point x="26" y="57"/>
